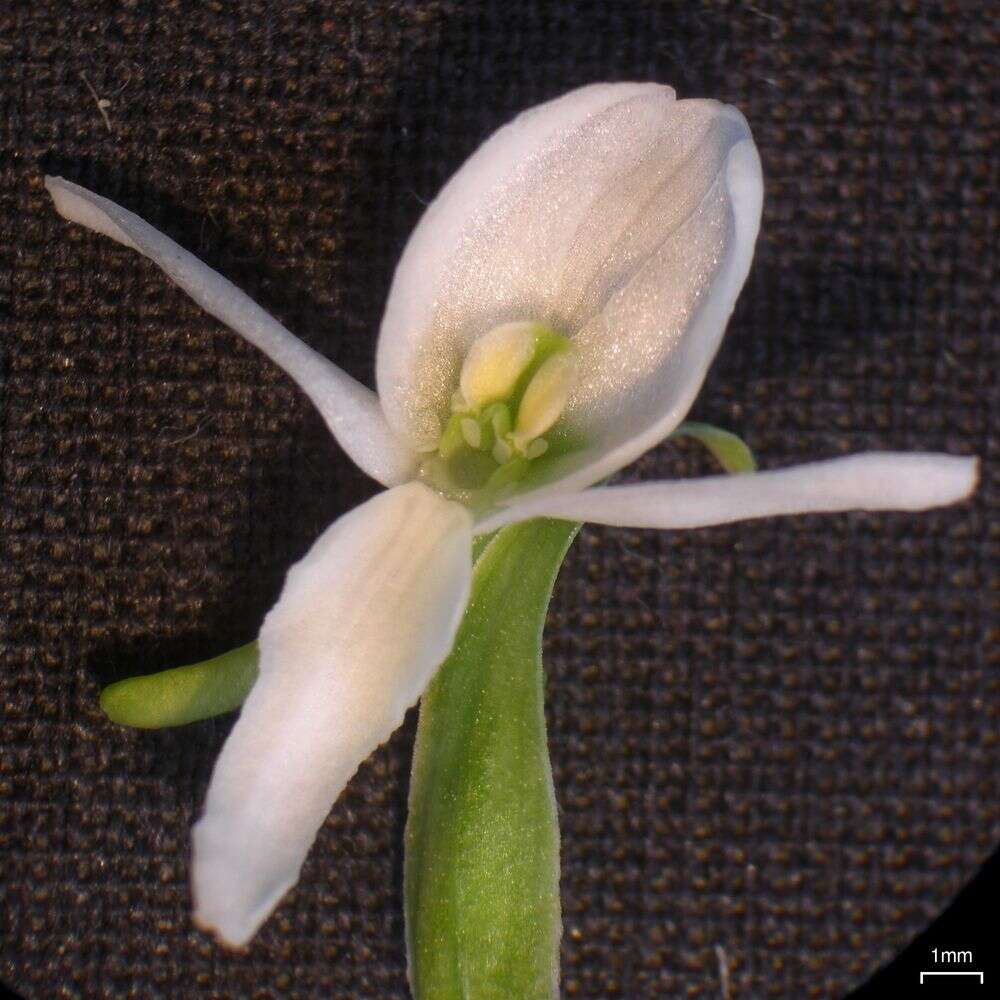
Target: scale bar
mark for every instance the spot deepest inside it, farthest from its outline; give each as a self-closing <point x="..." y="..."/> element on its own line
<point x="979" y="974"/>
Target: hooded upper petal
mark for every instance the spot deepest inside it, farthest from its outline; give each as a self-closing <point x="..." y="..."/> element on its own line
<point x="617" y="215"/>
<point x="351" y="410"/>
<point x="360" y="627"/>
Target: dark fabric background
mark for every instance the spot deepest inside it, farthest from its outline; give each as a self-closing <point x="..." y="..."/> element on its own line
<point x="775" y="741"/>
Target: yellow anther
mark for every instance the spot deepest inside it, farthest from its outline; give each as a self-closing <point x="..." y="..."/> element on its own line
<point x="502" y="452"/>
<point x="495" y="362"/>
<point x="513" y="387"/>
<point x="537" y="448"/>
<point x="545" y="398"/>
<point x="471" y="432"/>
<point x="500" y="420"/>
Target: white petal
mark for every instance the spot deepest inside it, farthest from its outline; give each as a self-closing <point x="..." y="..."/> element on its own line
<point x="363" y="622"/>
<point x="351" y="411"/>
<point x="654" y="340"/>
<point x="481" y="254"/>
<point x="617" y="215"/>
<point x="874" y="481"/>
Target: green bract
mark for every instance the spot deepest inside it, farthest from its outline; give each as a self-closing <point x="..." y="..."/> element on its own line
<point x="183" y="694"/>
<point x="482" y="837"/>
<point x="730" y="451"/>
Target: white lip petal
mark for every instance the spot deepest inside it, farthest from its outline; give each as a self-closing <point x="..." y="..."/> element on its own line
<point x="363" y="622"/>
<point x="874" y="481"/>
<point x="351" y="411"/>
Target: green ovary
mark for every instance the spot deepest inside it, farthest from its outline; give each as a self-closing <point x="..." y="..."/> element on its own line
<point x="512" y="390"/>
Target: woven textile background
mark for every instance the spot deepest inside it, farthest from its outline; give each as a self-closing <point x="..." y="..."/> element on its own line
<point x="773" y="742"/>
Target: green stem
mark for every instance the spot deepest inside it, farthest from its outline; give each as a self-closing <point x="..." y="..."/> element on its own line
<point x="482" y="838"/>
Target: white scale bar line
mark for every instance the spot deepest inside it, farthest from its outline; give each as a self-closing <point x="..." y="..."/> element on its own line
<point x="979" y="974"/>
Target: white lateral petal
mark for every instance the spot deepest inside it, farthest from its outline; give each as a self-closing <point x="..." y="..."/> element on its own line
<point x="363" y="622"/>
<point x="873" y="481"/>
<point x="617" y="215"/>
<point x="351" y="411"/>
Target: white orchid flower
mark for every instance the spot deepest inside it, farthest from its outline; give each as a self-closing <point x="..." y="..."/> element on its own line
<point x="551" y="319"/>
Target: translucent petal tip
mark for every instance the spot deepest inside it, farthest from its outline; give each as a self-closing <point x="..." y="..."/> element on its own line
<point x="939" y="480"/>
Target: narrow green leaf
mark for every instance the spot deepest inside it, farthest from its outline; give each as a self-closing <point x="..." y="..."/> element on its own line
<point x="183" y="694"/>
<point x="730" y="451"/>
<point x="482" y="838"/>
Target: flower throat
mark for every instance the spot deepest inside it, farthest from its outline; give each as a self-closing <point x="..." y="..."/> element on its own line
<point x="512" y="389"/>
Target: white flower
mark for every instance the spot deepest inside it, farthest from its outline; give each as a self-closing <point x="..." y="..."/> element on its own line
<point x="551" y="319"/>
